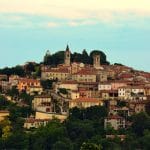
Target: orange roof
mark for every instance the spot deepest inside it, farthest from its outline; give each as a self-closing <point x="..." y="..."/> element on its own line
<point x="69" y="82"/>
<point x="86" y="71"/>
<point x="126" y="75"/>
<point x="59" y="70"/>
<point x="132" y="87"/>
<point x="119" y="81"/>
<point x="146" y="75"/>
<point x="28" y="80"/>
<point x="109" y="91"/>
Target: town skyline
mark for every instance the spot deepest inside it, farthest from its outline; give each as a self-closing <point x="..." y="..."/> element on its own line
<point x="75" y="75"/>
<point x="121" y="30"/>
<point x="40" y="59"/>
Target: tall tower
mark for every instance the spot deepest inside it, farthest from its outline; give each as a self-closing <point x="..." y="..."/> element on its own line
<point x="47" y="57"/>
<point x="96" y="61"/>
<point x="67" y="56"/>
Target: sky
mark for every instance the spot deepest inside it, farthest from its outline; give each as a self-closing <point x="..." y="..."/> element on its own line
<point x="119" y="28"/>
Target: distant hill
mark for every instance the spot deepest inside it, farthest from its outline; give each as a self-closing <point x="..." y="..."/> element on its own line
<point x="58" y="57"/>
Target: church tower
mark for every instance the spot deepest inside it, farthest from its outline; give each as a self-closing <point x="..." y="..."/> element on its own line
<point x="67" y="56"/>
<point x="47" y="57"/>
<point x="96" y="61"/>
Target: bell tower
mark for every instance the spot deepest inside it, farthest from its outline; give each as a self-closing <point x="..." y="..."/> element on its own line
<point x="96" y="61"/>
<point x="67" y="56"/>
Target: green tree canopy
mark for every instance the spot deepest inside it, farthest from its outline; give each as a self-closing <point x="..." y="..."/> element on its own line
<point x="141" y="122"/>
<point x="58" y="57"/>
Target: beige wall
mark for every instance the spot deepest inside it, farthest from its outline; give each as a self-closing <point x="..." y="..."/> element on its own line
<point x="84" y="78"/>
<point x="74" y="95"/>
<point x="69" y="86"/>
<point x="54" y="75"/>
<point x="38" y="100"/>
<point x="42" y="115"/>
<point x="3" y="115"/>
<point x="115" y="123"/>
<point x="83" y="104"/>
<point x="104" y="87"/>
<point x="31" y="90"/>
<point x="116" y="85"/>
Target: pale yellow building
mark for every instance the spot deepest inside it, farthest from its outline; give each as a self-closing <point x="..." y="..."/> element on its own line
<point x="70" y="85"/>
<point x="13" y="80"/>
<point x="137" y="106"/>
<point x="115" y="121"/>
<point x="85" y="102"/>
<point x="73" y="94"/>
<point x="85" y="75"/>
<point x="47" y="115"/>
<point x="25" y="83"/>
<point x="60" y="74"/>
<point x="3" y="114"/>
<point x="35" y="123"/>
<point x="76" y="67"/>
<point x="129" y="92"/>
<point x="38" y="100"/>
<point x="32" y="90"/>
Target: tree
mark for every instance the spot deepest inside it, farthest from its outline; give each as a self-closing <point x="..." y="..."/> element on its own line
<point x="91" y="113"/>
<point x="18" y="70"/>
<point x="63" y="91"/>
<point x="118" y="64"/>
<point x="47" y="84"/>
<point x="18" y="140"/>
<point x="6" y="128"/>
<point x="80" y="130"/>
<point x="45" y="137"/>
<point x="76" y="113"/>
<point x="26" y="98"/>
<point x="58" y="58"/>
<point x="90" y="146"/>
<point x="96" y="112"/>
<point x="145" y="140"/>
<point x="121" y="103"/>
<point x="55" y="59"/>
<point x="85" y="57"/>
<point x="4" y="103"/>
<point x="64" y="144"/>
<point x="140" y="123"/>
<point x="76" y="57"/>
<point x="148" y="108"/>
<point x="29" y="68"/>
<point x="13" y="91"/>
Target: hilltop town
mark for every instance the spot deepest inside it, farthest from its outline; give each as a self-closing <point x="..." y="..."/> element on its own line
<point x="44" y="92"/>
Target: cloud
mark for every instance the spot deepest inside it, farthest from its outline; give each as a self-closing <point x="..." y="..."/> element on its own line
<point x="53" y="24"/>
<point x="74" y="13"/>
<point x="77" y="9"/>
<point x="82" y="23"/>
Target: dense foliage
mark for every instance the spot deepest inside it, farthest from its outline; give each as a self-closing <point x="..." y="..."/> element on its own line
<point x="83" y="130"/>
<point x="30" y="69"/>
<point x="18" y="70"/>
<point x="58" y="57"/>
